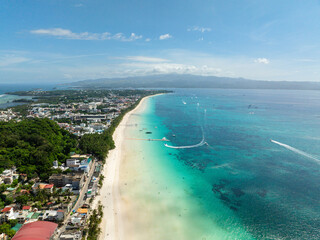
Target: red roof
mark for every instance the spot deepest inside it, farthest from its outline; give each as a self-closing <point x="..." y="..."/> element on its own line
<point x="40" y="230"/>
<point x="26" y="207"/>
<point x="48" y="186"/>
<point x="6" y="209"/>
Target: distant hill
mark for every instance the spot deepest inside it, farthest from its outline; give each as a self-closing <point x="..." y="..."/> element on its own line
<point x="192" y="81"/>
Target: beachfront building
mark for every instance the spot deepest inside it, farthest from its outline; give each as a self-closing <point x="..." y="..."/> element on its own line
<point x="76" y="180"/>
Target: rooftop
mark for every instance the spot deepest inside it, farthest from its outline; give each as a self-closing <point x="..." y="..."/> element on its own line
<point x="6" y="209"/>
<point x="40" y="230"/>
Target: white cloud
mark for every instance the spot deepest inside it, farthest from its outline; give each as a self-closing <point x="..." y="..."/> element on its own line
<point x="134" y="37"/>
<point x="262" y="60"/>
<point x="199" y="29"/>
<point x="67" y="34"/>
<point x="7" y="60"/>
<point x="165" y="36"/>
<point x="39" y="66"/>
<point x="145" y="59"/>
<point x="139" y="68"/>
<point x="148" y="39"/>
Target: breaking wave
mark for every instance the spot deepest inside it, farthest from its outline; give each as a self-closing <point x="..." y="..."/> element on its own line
<point x="302" y="153"/>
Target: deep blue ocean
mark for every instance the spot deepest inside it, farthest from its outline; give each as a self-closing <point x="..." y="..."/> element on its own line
<point x="262" y="157"/>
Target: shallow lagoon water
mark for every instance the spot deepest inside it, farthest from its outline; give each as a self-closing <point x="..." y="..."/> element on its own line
<point x="239" y="186"/>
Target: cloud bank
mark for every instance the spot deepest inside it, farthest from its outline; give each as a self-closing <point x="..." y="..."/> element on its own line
<point x="68" y="34"/>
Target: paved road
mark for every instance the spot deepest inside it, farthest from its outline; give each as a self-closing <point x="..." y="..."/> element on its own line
<point x="79" y="202"/>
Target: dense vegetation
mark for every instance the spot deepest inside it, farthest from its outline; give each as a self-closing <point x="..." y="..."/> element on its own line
<point x="97" y="144"/>
<point x="32" y="145"/>
<point x="6" y="228"/>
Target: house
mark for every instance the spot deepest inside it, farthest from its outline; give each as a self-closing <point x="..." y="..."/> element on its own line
<point x="73" y="162"/>
<point x="85" y="165"/>
<point x="50" y="215"/>
<point x="61" y="215"/>
<point x="62" y="180"/>
<point x="76" y="219"/>
<point x="22" y="216"/>
<point x="73" y="235"/>
<point x="26" y="208"/>
<point x="42" y="186"/>
<point x="49" y="188"/>
<point x="8" y="212"/>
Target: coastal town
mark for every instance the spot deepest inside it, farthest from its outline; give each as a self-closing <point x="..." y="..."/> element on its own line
<point x="59" y="203"/>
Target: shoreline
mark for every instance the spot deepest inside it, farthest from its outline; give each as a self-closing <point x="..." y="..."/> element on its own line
<point x="112" y="222"/>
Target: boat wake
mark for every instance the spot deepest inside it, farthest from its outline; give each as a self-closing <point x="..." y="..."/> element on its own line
<point x="203" y="142"/>
<point x="302" y="153"/>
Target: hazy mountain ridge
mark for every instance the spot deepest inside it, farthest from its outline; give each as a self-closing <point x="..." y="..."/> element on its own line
<point x="192" y="81"/>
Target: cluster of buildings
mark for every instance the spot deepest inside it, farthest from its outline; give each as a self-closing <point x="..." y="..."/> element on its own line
<point x="7" y="115"/>
<point x="77" y="182"/>
<point x="81" y="184"/>
<point x="82" y="118"/>
<point x="8" y="176"/>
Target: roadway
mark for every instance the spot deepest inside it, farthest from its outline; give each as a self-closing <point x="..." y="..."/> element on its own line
<point x="79" y="202"/>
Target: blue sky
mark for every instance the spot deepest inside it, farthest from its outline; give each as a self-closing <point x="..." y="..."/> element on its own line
<point x="69" y="40"/>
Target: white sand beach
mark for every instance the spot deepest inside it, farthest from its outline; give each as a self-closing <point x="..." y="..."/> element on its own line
<point x="112" y="222"/>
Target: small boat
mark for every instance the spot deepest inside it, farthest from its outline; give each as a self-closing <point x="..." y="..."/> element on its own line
<point x="148" y="132"/>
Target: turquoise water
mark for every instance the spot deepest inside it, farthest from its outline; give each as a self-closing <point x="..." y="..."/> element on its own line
<point x="242" y="184"/>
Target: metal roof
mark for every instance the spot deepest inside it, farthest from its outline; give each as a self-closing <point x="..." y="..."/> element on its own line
<point x="40" y="230"/>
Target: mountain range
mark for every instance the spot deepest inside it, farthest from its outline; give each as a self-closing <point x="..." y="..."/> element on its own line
<point x="192" y="81"/>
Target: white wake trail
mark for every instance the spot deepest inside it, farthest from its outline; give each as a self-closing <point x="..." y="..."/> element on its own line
<point x="302" y="153"/>
<point x="203" y="142"/>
